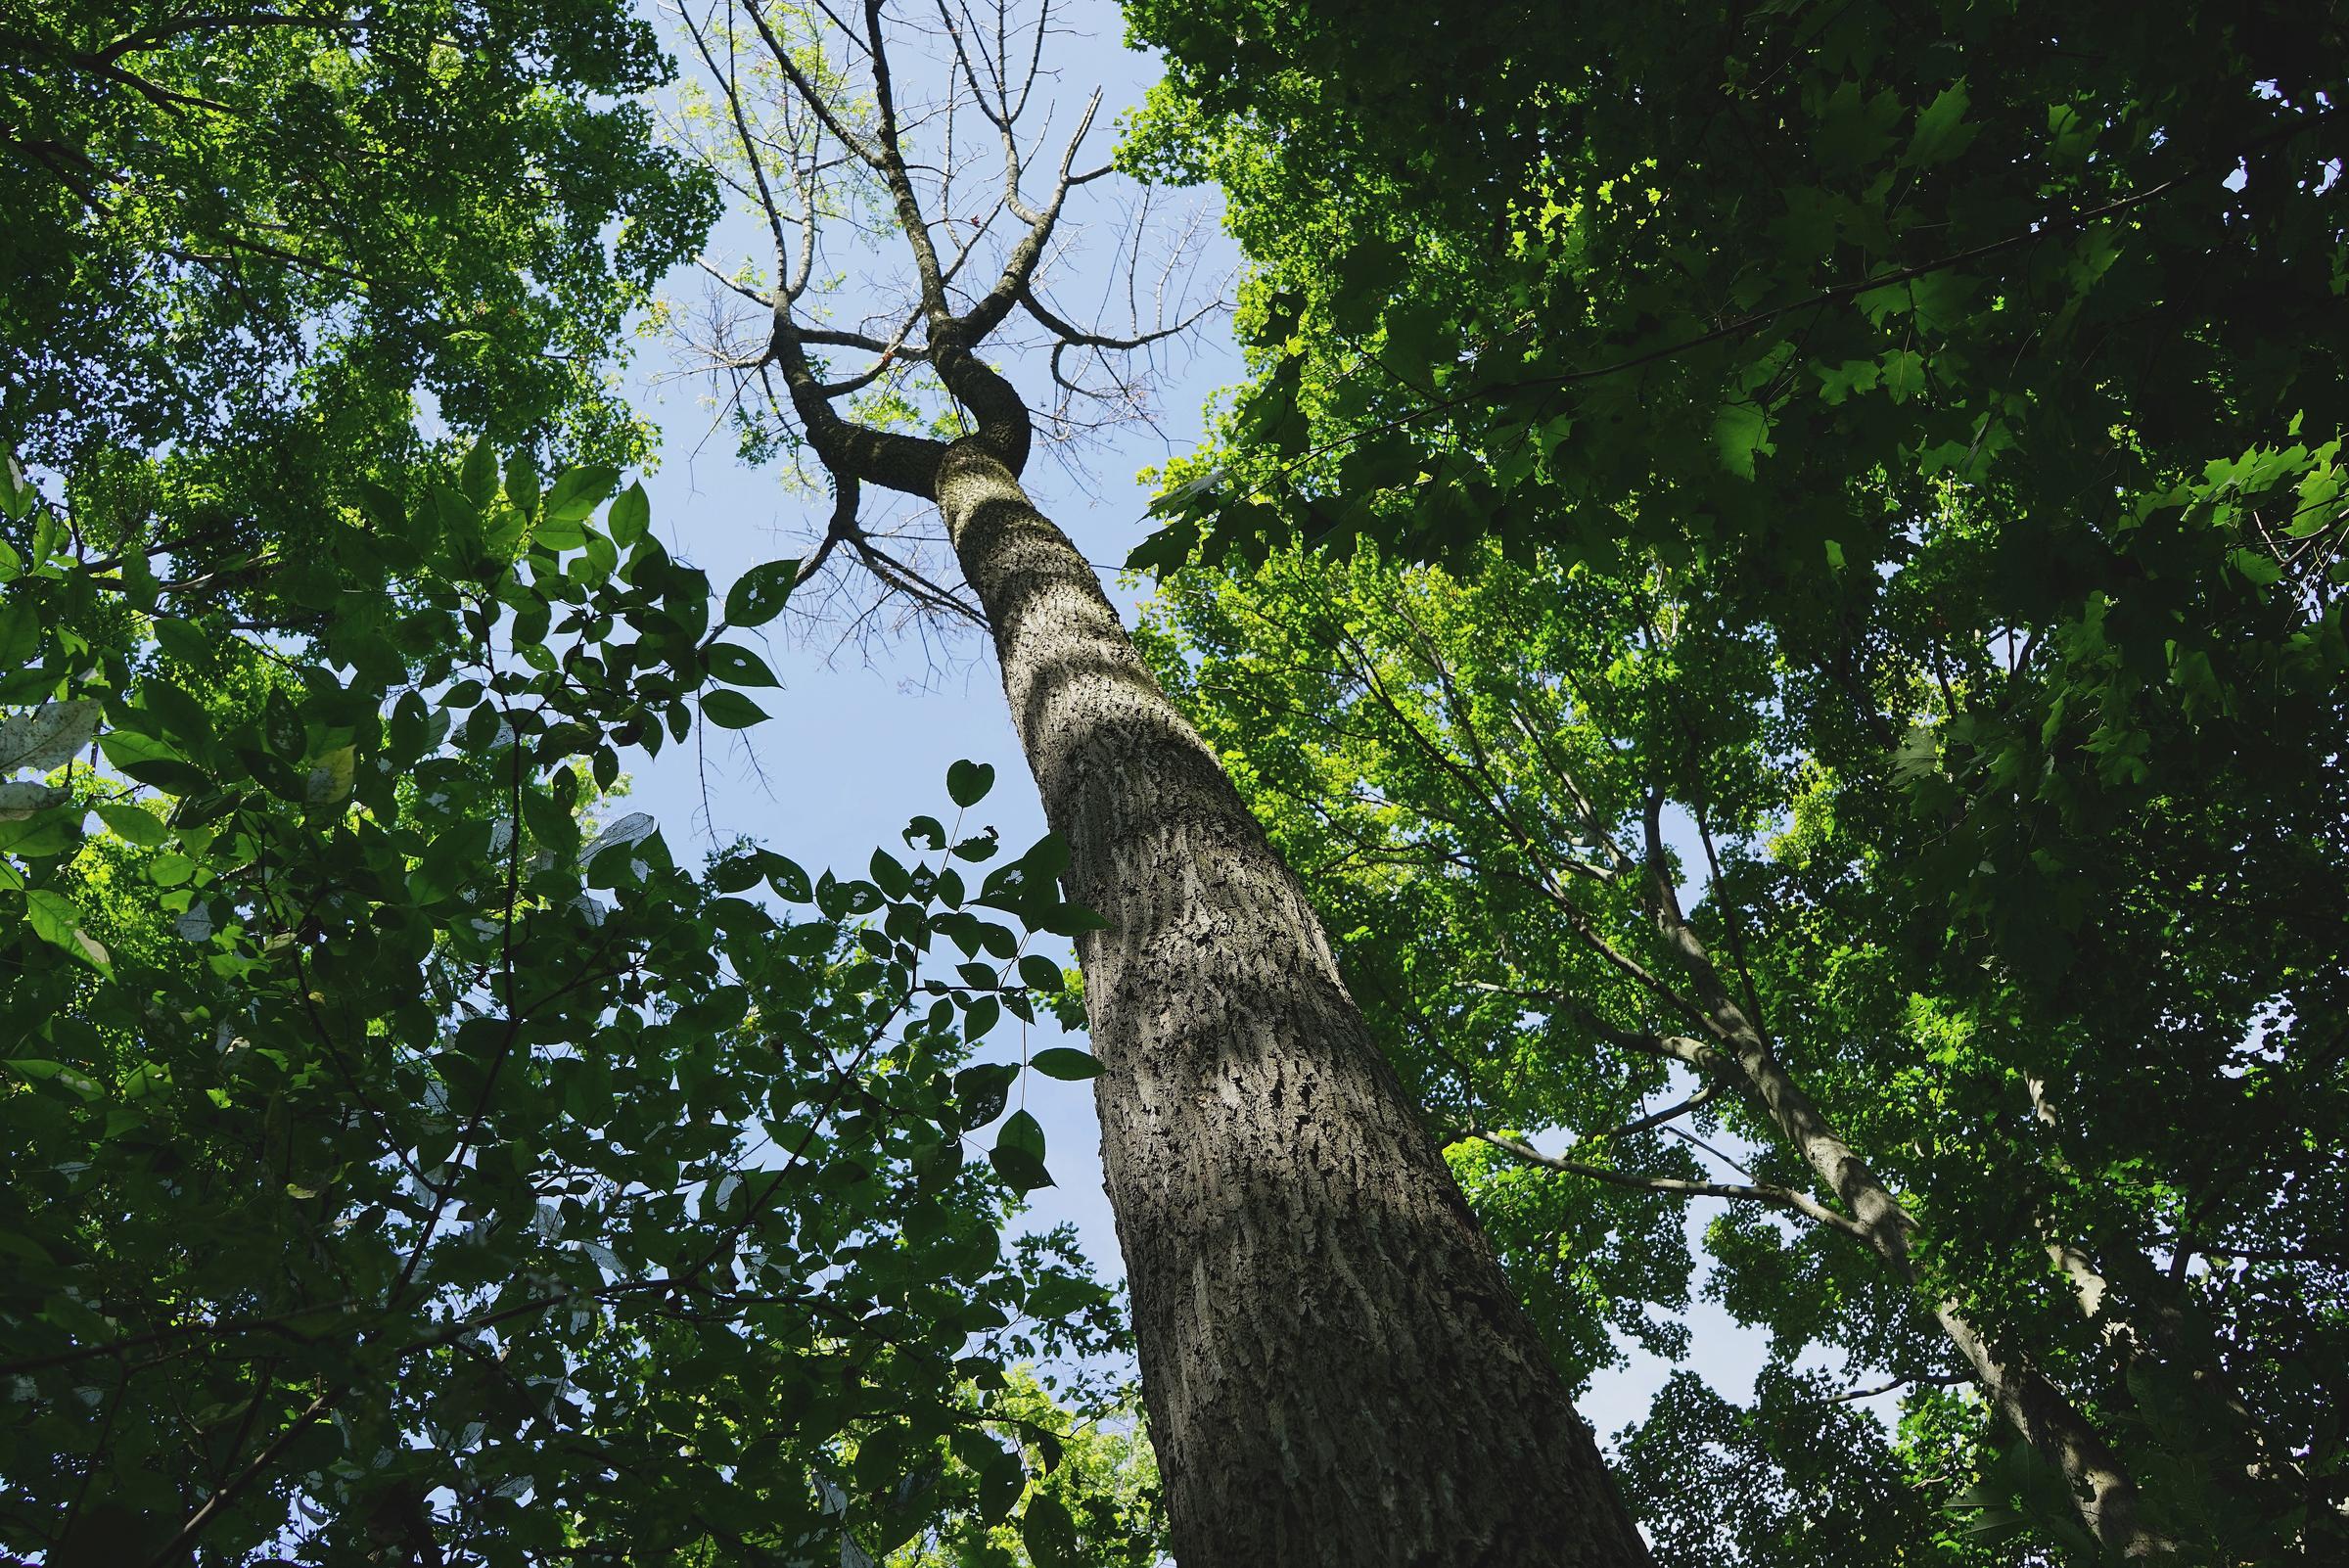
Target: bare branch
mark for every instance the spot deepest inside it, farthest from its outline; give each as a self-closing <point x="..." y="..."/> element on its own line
<point x="844" y="527"/>
<point x="212" y="1506"/>
<point x="1602" y="833"/>
<point x="1675" y="1048"/>
<point x="863" y="127"/>
<point x="1728" y="917"/>
<point x="910" y="583"/>
<point x="892" y="165"/>
<point x="730" y="87"/>
<point x="781" y="51"/>
<point x="1077" y="338"/>
<point x="1723" y="1017"/>
<point x="1020" y="266"/>
<point x="727" y="282"/>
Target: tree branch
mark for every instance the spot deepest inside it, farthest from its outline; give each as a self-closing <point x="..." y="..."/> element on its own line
<point x="1776" y="1197"/>
<point x="219" y="1500"/>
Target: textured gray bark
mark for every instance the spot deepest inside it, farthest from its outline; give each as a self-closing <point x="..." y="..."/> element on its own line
<point x="2104" y="1495"/>
<point x="2102" y="1491"/>
<point x="1334" y="1368"/>
<point x="1336" y="1371"/>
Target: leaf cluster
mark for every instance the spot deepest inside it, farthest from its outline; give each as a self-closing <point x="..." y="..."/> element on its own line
<point x="397" y="1158"/>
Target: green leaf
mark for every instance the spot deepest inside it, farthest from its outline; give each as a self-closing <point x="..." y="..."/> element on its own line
<point x="1941" y="134"/>
<point x="631" y="516"/>
<point x="38" y="1070"/>
<point x="1739" y="430"/>
<point x="54" y="919"/>
<point x="20" y="637"/>
<point x="53" y="916"/>
<point x="149" y="1078"/>
<point x="631" y="829"/>
<point x="478" y="479"/>
<point x="1038" y="972"/>
<point x="732" y="710"/>
<point x="968" y="782"/>
<point x="151" y="761"/>
<point x="600" y="562"/>
<point x="577" y="493"/>
<point x="1001" y="1479"/>
<point x="1837" y="383"/>
<point x="453" y="857"/>
<point x="738" y="667"/>
<point x="1022" y="1132"/>
<point x="981" y="1093"/>
<point x="985" y="1013"/>
<point x="786" y="876"/>
<point x="1165" y="550"/>
<point x="889" y="876"/>
<point x="759" y="594"/>
<point x="33" y="835"/>
<point x="18" y="493"/>
<point x="503" y="542"/>
<point x="1048" y="1533"/>
<point x="22" y="798"/>
<point x="2259" y="569"/>
<point x="1181" y="498"/>
<point x="1853" y="131"/>
<point x="330" y="781"/>
<point x="1918" y="756"/>
<point x="1904" y="374"/>
<point x="1068" y="920"/>
<point x="1068" y="1065"/>
<point x="522" y="482"/>
<point x="140" y="826"/>
<point x="184" y="641"/>
<point x="1021" y="1171"/>
<point x="558" y="533"/>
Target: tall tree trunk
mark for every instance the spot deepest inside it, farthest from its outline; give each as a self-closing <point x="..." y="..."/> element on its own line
<point x="1334" y="1368"/>
<point x="2170" y="1331"/>
<point x="2104" y="1494"/>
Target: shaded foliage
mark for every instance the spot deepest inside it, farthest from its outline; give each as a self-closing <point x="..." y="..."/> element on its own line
<point x="1459" y="768"/>
<point x="389" y="1153"/>
<point x="1973" y="373"/>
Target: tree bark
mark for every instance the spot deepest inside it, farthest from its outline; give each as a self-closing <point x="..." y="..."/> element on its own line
<point x="2104" y="1494"/>
<point x="1334" y="1368"/>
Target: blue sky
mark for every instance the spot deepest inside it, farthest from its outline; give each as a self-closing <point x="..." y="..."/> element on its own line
<point x="865" y="728"/>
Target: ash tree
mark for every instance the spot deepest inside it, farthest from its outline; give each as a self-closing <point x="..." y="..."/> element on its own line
<point x="1334" y="1370"/>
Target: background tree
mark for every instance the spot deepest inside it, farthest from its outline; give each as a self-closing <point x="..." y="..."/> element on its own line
<point x="248" y="248"/>
<point x="1468" y="771"/>
<point x="1925" y="343"/>
<point x="394" y="1167"/>
<point x="1332" y="1365"/>
<point x="398" y="1168"/>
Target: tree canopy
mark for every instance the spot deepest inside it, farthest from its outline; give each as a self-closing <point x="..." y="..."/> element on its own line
<point x="1775" y="584"/>
<point x="1474" y="775"/>
<point x="1906" y="371"/>
<point x="407" y="1157"/>
<point x="380" y="1133"/>
<point x="247" y="249"/>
